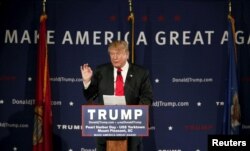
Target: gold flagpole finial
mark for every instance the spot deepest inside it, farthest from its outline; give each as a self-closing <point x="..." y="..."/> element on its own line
<point x="130" y="6"/>
<point x="44" y="6"/>
<point x="131" y="14"/>
<point x="230" y="7"/>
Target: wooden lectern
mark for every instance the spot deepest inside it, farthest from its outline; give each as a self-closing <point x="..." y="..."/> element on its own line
<point x="117" y="145"/>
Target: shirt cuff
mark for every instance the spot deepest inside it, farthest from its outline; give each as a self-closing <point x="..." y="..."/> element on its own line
<point x="86" y="84"/>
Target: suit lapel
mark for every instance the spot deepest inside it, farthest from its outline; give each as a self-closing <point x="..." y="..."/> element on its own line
<point x="129" y="77"/>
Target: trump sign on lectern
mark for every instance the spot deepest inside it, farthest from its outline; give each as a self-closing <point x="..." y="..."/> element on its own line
<point x="115" y="120"/>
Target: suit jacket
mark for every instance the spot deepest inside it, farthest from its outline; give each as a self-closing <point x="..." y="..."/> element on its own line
<point x="137" y="87"/>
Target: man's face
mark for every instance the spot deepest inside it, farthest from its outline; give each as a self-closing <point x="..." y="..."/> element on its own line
<point x="118" y="57"/>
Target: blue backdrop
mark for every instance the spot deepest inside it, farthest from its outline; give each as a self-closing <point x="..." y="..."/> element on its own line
<point x="183" y="43"/>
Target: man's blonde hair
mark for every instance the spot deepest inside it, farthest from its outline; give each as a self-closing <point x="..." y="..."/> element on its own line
<point x="119" y="44"/>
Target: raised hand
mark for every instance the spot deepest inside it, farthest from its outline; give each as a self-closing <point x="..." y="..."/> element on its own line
<point x="86" y="72"/>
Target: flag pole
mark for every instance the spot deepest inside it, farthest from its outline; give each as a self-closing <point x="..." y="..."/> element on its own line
<point x="131" y="18"/>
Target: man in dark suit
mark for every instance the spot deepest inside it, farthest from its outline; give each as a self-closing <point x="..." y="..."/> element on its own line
<point x="137" y="85"/>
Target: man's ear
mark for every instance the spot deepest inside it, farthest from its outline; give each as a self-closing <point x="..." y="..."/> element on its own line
<point x="127" y="55"/>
